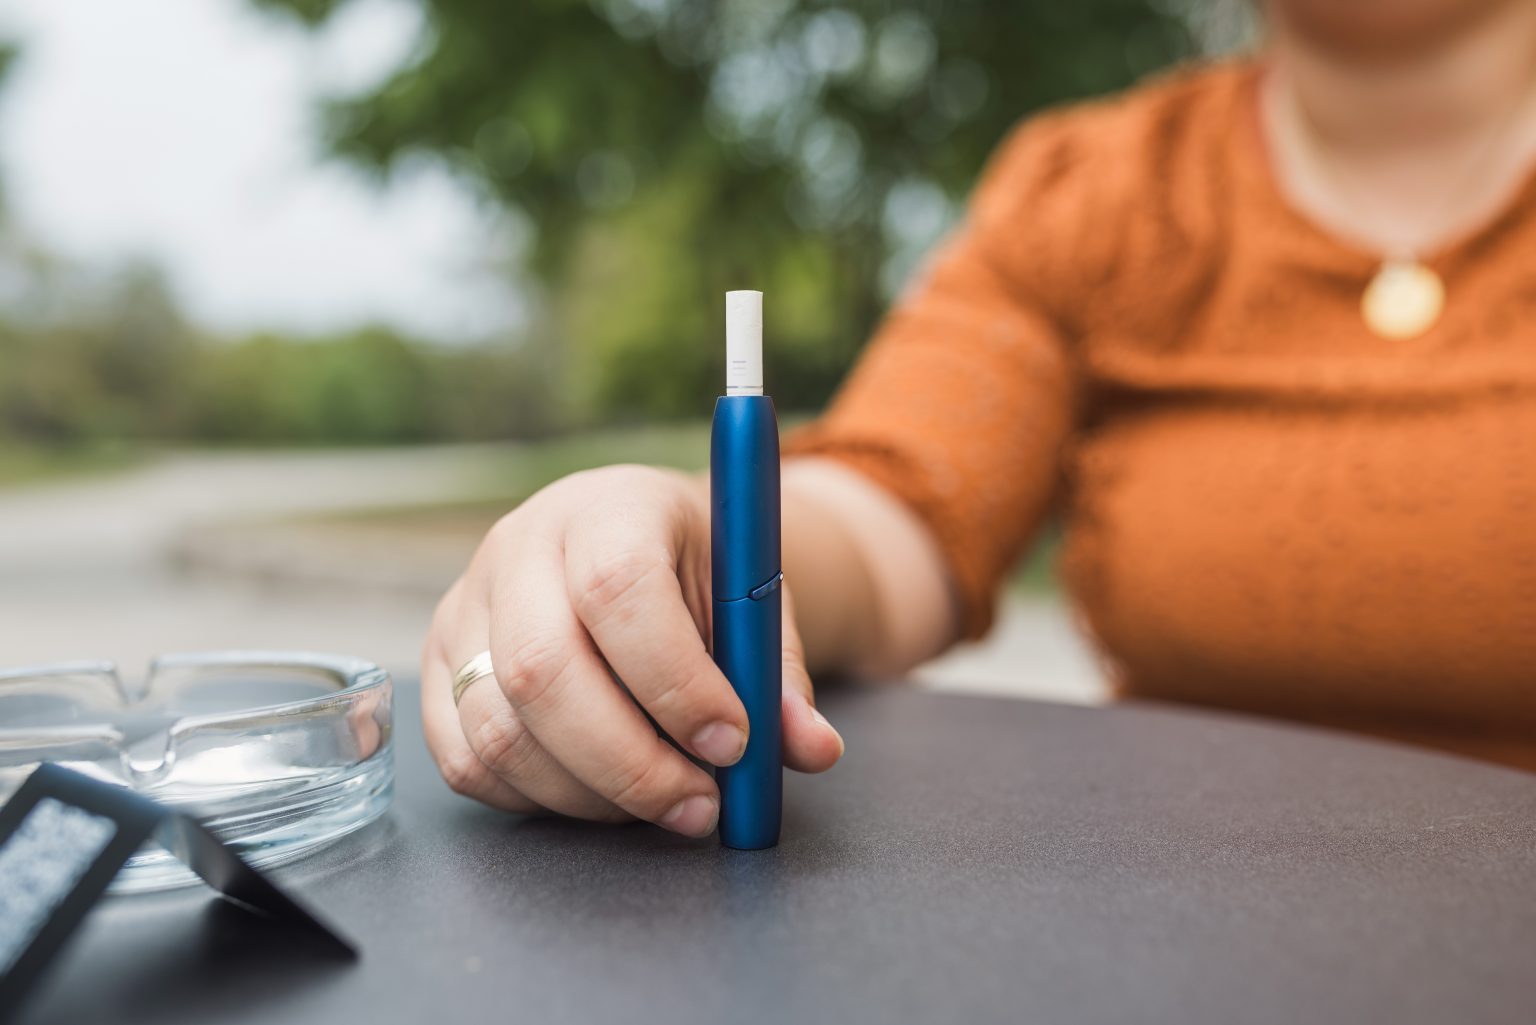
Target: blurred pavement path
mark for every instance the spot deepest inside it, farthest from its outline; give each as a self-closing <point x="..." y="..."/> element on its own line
<point x="192" y="551"/>
<point x="129" y="518"/>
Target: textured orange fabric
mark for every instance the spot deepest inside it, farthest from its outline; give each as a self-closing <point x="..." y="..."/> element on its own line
<point x="1266" y="507"/>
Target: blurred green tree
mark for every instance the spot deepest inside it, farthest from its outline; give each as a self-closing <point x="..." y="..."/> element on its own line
<point x="666" y="150"/>
<point x="115" y="367"/>
<point x="89" y="359"/>
<point x="370" y="386"/>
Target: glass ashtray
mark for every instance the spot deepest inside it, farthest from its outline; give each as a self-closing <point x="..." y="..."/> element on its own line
<point x="279" y="753"/>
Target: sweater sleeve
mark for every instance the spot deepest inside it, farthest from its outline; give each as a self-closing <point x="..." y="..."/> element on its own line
<point x="961" y="403"/>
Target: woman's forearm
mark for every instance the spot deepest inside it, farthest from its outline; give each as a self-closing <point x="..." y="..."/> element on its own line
<point x="870" y="590"/>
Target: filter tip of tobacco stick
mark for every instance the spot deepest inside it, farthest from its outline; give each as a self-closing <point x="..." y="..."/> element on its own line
<point x="744" y="343"/>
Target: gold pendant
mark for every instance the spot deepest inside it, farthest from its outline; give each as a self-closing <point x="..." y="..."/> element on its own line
<point x="1403" y="300"/>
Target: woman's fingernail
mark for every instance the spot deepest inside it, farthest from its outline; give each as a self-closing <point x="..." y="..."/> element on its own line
<point x="720" y="743"/>
<point x="692" y="816"/>
<point x="841" y="747"/>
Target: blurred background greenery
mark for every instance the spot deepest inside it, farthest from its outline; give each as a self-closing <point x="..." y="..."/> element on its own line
<point x="656" y="153"/>
<point x="501" y="222"/>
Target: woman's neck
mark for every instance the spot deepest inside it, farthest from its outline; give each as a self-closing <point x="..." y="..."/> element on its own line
<point x="1402" y="154"/>
<point x="1454" y="92"/>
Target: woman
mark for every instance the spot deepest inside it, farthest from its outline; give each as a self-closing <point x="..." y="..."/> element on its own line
<point x="1264" y="333"/>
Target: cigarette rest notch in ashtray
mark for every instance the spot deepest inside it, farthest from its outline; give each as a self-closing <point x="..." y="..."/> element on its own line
<point x="278" y="753"/>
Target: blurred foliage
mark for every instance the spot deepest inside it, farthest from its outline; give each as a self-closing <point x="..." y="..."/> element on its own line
<point x="668" y="150"/>
<point x="127" y="367"/>
<point x="661" y="152"/>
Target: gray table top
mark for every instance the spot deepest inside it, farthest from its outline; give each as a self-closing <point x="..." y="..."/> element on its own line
<point x="971" y="860"/>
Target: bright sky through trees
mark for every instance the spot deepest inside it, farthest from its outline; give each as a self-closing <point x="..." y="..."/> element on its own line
<point x="181" y="131"/>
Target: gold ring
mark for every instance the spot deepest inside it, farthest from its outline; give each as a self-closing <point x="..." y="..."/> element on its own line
<point x="477" y="668"/>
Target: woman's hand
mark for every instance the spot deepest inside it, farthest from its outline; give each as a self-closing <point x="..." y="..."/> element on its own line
<point x="593" y="598"/>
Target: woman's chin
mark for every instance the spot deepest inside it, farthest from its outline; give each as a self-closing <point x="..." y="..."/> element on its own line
<point x="1380" y="30"/>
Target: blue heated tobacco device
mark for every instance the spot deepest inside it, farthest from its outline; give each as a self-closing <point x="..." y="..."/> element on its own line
<point x="748" y="613"/>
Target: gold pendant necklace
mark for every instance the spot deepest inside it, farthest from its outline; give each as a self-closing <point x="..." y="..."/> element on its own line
<point x="1403" y="300"/>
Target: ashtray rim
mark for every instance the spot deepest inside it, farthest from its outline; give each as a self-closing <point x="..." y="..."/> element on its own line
<point x="357" y="676"/>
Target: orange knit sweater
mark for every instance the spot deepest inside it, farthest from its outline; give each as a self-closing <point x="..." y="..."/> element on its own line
<point x="1266" y="506"/>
